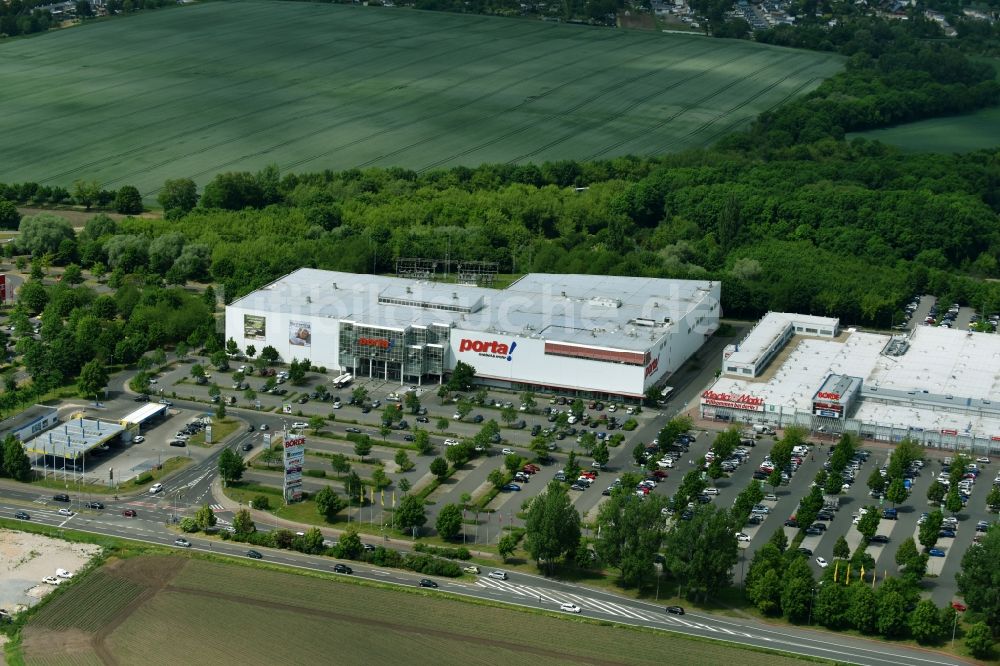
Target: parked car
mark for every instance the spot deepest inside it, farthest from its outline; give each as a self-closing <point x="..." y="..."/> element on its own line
<point x="138" y="439"/>
<point x="511" y="487"/>
<point x="129" y="513"/>
<point x="60" y="497"/>
<point x="51" y="580"/>
<point x="65" y="512"/>
<point x="822" y="562"/>
<point x="471" y="569"/>
<point x="935" y="552"/>
<point x="95" y="505"/>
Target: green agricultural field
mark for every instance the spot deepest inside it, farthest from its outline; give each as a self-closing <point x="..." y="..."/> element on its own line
<point x="198" y="611"/>
<point x="954" y="134"/>
<point x="217" y="87"/>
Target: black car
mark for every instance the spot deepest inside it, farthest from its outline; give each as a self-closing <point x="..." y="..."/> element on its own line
<point x="804" y="551"/>
<point x="21" y="515"/>
<point x="60" y="497"/>
<point x="812" y="531"/>
<point x="760" y="476"/>
<point x="303" y="400"/>
<point x="879" y="538"/>
<point x="819" y="526"/>
<point x="254" y="554"/>
<point x="95" y="505"/>
<point x="791" y="523"/>
<point x="824" y="515"/>
<point x="352" y="429"/>
<point x="251" y="428"/>
<point x="142" y="398"/>
<point x="178" y="442"/>
<point x="366" y="409"/>
<point x="423" y="419"/>
<point x="478" y="418"/>
<point x="427" y="582"/>
<point x="755" y="520"/>
<point x="675" y="610"/>
<point x="408" y="437"/>
<point x="342" y="568"/>
<point x="247" y="446"/>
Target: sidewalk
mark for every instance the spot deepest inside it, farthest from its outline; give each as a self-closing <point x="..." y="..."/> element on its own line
<point x="266" y="518"/>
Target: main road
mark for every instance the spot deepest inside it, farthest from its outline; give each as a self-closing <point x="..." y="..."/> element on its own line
<point x="155" y="514"/>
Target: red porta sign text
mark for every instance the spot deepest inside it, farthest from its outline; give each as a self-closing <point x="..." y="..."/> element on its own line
<point x="374" y="342"/>
<point x="826" y="395"/>
<point x="488" y="346"/>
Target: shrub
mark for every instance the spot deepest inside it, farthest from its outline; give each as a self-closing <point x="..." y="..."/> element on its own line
<point x="319" y="473"/>
<point x="262" y="502"/>
<point x="630" y="425"/>
<point x="461" y="553"/>
<point x="143" y="478"/>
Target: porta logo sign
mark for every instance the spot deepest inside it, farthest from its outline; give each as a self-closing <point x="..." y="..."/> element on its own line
<point x="489" y="348"/>
<point x="375" y="342"/>
<point x="652" y="367"/>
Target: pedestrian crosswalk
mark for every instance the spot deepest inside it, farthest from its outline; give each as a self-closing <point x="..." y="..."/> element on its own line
<point x="545" y="595"/>
<point x="217" y="507"/>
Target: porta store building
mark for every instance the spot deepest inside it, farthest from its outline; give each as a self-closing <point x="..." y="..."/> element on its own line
<point x="588" y="335"/>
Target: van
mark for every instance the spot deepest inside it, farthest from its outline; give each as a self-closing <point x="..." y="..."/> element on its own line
<point x="763" y="430"/>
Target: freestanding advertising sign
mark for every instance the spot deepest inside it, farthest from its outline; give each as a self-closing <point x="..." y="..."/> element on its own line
<point x="295" y="453"/>
<point x="3" y="288"/>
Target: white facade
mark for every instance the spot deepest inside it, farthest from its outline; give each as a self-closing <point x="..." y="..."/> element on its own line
<point x="752" y="355"/>
<point x="595" y="335"/>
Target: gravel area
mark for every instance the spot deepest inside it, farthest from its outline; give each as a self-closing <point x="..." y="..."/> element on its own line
<point x="25" y="559"/>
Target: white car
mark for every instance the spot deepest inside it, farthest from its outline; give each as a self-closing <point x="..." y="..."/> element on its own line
<point x="595" y="465"/>
<point x="569" y="608"/>
<point x="771" y="497"/>
<point x="62" y="573"/>
<point x="710" y="491"/>
<point x="451" y="442"/>
<point x="299" y="425"/>
<point x="507" y="451"/>
<point x="740" y="536"/>
<point x="138" y="439"/>
<point x="65" y="512"/>
<point x="823" y="564"/>
<point x="51" y="580"/>
<point x="499" y="575"/>
<point x="983" y="460"/>
<point x="155" y="488"/>
<point x="457" y="416"/>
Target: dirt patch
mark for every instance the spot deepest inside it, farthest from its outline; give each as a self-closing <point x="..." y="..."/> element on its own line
<point x="152" y="571"/>
<point x="42" y="641"/>
<point x="25" y="559"/>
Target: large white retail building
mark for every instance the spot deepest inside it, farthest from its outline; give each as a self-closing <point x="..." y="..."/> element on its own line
<point x="588" y="335"/>
<point x="936" y="385"/>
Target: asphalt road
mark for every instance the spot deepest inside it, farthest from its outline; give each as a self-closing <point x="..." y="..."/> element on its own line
<point x="150" y="526"/>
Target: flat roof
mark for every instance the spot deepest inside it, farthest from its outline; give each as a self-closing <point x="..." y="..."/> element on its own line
<point x="770" y="328"/>
<point x="144" y="412"/>
<point x="73" y="437"/>
<point x="26" y="418"/>
<point x="947" y="374"/>
<point x="628" y="313"/>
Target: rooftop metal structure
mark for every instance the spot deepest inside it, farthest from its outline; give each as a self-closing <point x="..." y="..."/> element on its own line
<point x="73" y="438"/>
<point x="147" y="411"/>
<point x="595" y="310"/>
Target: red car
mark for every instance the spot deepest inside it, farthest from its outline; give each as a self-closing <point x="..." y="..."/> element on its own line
<point x="129" y="513"/>
<point x="660" y="474"/>
<point x="531" y="469"/>
<point x="589" y="475"/>
<point x="959" y="606"/>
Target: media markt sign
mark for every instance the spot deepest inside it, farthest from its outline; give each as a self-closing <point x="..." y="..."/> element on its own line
<point x="295" y="453"/>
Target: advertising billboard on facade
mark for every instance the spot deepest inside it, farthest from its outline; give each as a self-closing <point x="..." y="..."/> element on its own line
<point x="300" y="333"/>
<point x="295" y="452"/>
<point x="254" y="327"/>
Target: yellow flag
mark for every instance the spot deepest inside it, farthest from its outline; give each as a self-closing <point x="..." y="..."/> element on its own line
<point x="836" y="566"/>
<point x="381" y="497"/>
<point x="862" y="572"/>
<point x="848" y="575"/>
<point x="371" y="495"/>
<point x="393" y="499"/>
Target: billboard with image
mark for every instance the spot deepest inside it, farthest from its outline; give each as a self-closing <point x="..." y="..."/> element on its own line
<point x="254" y="327"/>
<point x="300" y="333"/>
